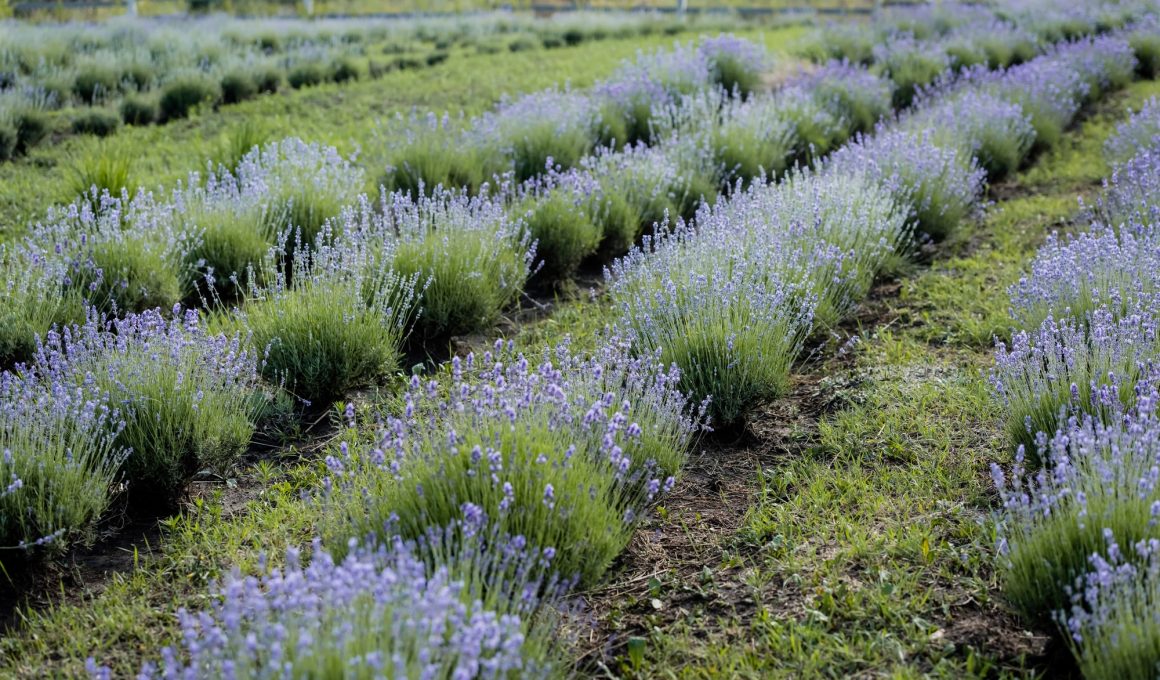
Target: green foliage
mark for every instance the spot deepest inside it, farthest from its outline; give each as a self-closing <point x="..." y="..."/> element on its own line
<point x="136" y="274"/>
<point x="308" y="74"/>
<point x="563" y="231"/>
<point x="32" y="126"/>
<point x="94" y="83"/>
<point x="98" y="122"/>
<point x="238" y="86"/>
<point x="181" y="96"/>
<point x="103" y="170"/>
<point x="7" y="140"/>
<point x="139" y="110"/>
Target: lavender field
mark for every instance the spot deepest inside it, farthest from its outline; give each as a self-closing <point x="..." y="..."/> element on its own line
<point x="618" y="346"/>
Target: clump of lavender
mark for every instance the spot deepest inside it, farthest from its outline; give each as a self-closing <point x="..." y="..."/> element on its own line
<point x="754" y="138"/>
<point x="910" y="63"/>
<point x="1091" y="365"/>
<point x="34" y="295"/>
<point x="121" y="254"/>
<point x="307" y="183"/>
<point x="1099" y="268"/>
<point x="1131" y="196"/>
<point x="639" y="187"/>
<point x="421" y="153"/>
<point x="558" y="211"/>
<point x="474" y="255"/>
<point x="1140" y="131"/>
<point x="57" y="462"/>
<point x="843" y="41"/>
<point x="1144" y="37"/>
<point x="1099" y="482"/>
<point x="651" y="82"/>
<point x="1113" y="622"/>
<point x="371" y="615"/>
<point x="850" y="93"/>
<point x="735" y="64"/>
<point x="816" y="129"/>
<point x="996" y="132"/>
<point x="939" y="185"/>
<point x="996" y="43"/>
<point x="1104" y="63"/>
<point x="186" y="399"/>
<point x="717" y="303"/>
<point x="332" y="317"/>
<point x="232" y="228"/>
<point x="565" y="450"/>
<point x="542" y="131"/>
<point x="1049" y="91"/>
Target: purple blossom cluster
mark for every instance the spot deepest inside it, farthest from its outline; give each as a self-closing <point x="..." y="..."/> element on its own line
<point x="850" y="93"/>
<point x="185" y="399"/>
<point x="939" y="185"/>
<point x="1140" y="131"/>
<point x="375" y="614"/>
<point x="993" y="130"/>
<point x="565" y="451"/>
<point x="1131" y="196"/>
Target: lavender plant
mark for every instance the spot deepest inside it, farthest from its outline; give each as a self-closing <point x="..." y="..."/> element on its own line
<point x="558" y="452"/>
<point x="185" y="398"/>
<point x="422" y="153"/>
<point x="1132" y="194"/>
<point x="35" y="295"/>
<point x="1092" y="365"/>
<point x="910" y="63"/>
<point x="940" y="185"/>
<point x="1112" y="622"/>
<point x="475" y="256"/>
<point x="1099" y="268"/>
<point x="994" y="131"/>
<point x="1048" y="90"/>
<point x="558" y="213"/>
<point x="308" y="184"/>
<point x="372" y="614"/>
<point x="541" y="131"/>
<point x="1104" y="63"/>
<point x="637" y="189"/>
<point x="1099" y="483"/>
<point x="57" y="464"/>
<point x="735" y="64"/>
<point x="1140" y="131"/>
<point x="334" y="319"/>
<point x="850" y="93"/>
<point x="718" y="305"/>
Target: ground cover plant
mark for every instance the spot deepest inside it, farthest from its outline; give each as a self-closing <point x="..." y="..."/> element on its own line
<point x="517" y="472"/>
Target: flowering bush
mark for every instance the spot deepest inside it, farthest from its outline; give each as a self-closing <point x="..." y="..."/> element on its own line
<point x="370" y="615"/>
<point x="422" y="153"/>
<point x="57" y="462"/>
<point x="184" y="399"/>
<point x="565" y="453"/>
<point x="850" y="93"/>
<point x="994" y="131"/>
<point x="1140" y="131"/>
<point x="940" y="185"/>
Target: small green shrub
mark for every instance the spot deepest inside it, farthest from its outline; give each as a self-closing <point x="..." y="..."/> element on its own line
<point x="1146" y="46"/>
<point x="437" y="57"/>
<point x="562" y="229"/>
<point x="139" y="76"/>
<point x="94" y="83"/>
<point x="129" y="275"/>
<point x="32" y="126"/>
<point x="523" y="44"/>
<point x="98" y="122"/>
<point x="308" y="74"/>
<point x="238" y="87"/>
<point x="139" y="110"/>
<point x="7" y="140"/>
<point x="345" y="70"/>
<point x="104" y="170"/>
<point x="181" y="96"/>
<point x="269" y="80"/>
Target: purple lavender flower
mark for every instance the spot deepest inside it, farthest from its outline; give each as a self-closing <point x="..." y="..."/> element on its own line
<point x="1141" y="131"/>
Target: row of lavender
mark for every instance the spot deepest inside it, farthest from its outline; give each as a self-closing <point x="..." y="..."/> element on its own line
<point x="449" y="262"/>
<point x="441" y="533"/>
<point x="1079" y="538"/>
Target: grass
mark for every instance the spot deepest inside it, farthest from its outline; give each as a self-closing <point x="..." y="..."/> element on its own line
<point x="331" y="113"/>
<point x="867" y="549"/>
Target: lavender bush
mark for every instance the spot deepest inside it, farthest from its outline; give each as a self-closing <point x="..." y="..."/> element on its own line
<point x="545" y="130"/>
<point x="1099" y="482"/>
<point x="715" y="304"/>
<point x="735" y="64"/>
<point x="422" y="153"/>
<point x="558" y="213"/>
<point x="941" y="186"/>
<point x="1132" y="194"/>
<point x="334" y="319"/>
<point x="564" y="452"/>
<point x="185" y="399"/>
<point x="1104" y="63"/>
<point x="35" y="294"/>
<point x="370" y="615"/>
<point x="57" y="463"/>
<point x="474" y="256"/>
<point x="1093" y="365"/>
<point x="1140" y="131"/>
<point x="910" y="63"/>
<point x="850" y="93"/>
<point x="1048" y="90"/>
<point x="1099" y="268"/>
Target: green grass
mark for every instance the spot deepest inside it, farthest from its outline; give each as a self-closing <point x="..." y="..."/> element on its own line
<point x="338" y="114"/>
